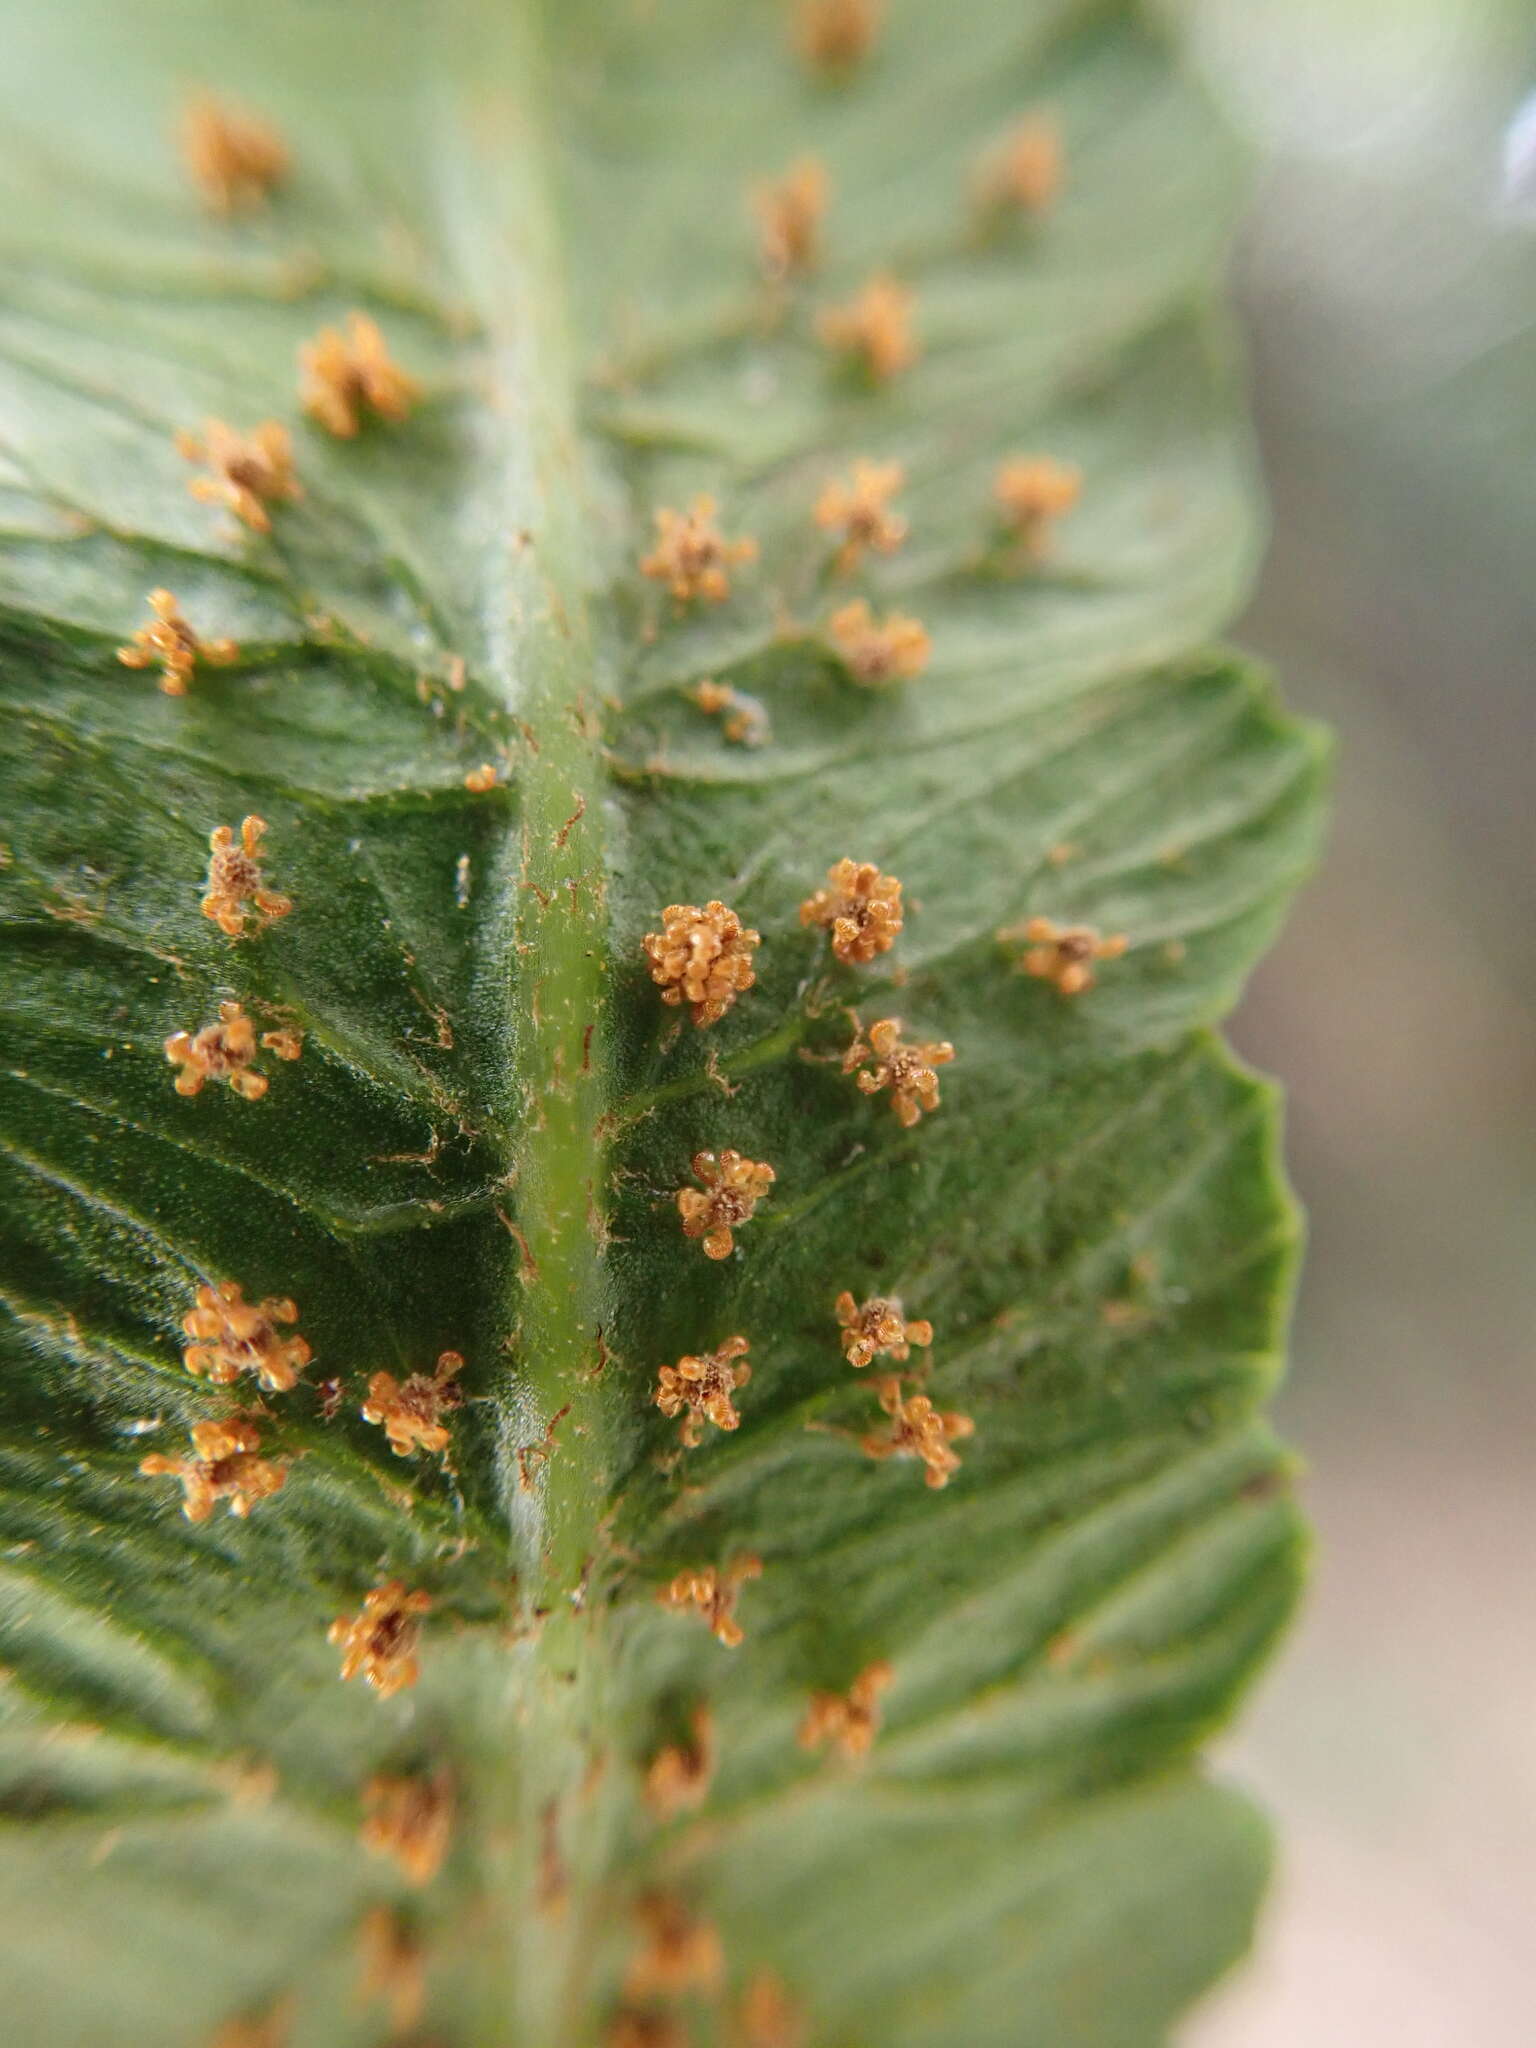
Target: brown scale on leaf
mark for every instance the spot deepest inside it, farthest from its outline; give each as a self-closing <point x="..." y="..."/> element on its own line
<point x="344" y="375"/>
<point x="714" y="1594"/>
<point x="532" y="1458"/>
<point x="270" y="2028"/>
<point x="907" y="1070"/>
<point x="1064" y="955"/>
<point x="247" y="472"/>
<point x="380" y="1640"/>
<point x="692" y="556"/>
<point x="390" y="1961"/>
<point x="236" y="896"/>
<point x="876" y="1328"/>
<point x="677" y="1779"/>
<point x="235" y="159"/>
<point x="1023" y="173"/>
<point x="224" y="1052"/>
<point x="835" y="36"/>
<point x="919" y="1430"/>
<point x="768" y="2017"/>
<point x="790" y="212"/>
<point x="172" y="642"/>
<point x="700" y="1389"/>
<point x="1031" y="493"/>
<point x="879" y="651"/>
<point x="677" y="1952"/>
<point x="849" y="1721"/>
<point x="733" y="1187"/>
<point x="745" y="722"/>
<point x="702" y="957"/>
<point x="410" y="1820"/>
<point x="411" y="1411"/>
<point x="860" y="511"/>
<point x="552" y="1888"/>
<point x="223" y="1466"/>
<point x="235" y="1336"/>
<point x="636" y="2028"/>
<point x="873" y="330"/>
<point x="860" y="907"/>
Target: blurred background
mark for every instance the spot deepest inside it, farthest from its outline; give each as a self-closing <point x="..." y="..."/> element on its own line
<point x="1389" y="286"/>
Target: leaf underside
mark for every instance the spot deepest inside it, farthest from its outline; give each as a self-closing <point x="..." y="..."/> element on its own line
<point x="480" y="1145"/>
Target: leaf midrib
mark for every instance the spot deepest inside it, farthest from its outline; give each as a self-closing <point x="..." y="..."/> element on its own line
<point x="546" y="944"/>
<point x="547" y="938"/>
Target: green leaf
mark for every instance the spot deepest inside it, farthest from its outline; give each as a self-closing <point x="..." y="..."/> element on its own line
<point x="480" y="1145"/>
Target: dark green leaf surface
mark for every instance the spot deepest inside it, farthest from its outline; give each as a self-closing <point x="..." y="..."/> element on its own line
<point x="480" y="1145"/>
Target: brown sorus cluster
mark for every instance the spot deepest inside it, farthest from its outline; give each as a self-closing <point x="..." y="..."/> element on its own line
<point x="224" y="1051"/>
<point x="874" y="329"/>
<point x="860" y="907"/>
<point x="768" y="2017"/>
<point x="411" y="1821"/>
<point x="247" y="472"/>
<point x="677" y="1952"/>
<point x="1032" y="492"/>
<point x="703" y="1388"/>
<point x="692" y="556"/>
<point x="234" y="159"/>
<point x="907" y="1070"/>
<point x="835" y="35"/>
<point x="235" y="1336"/>
<point x="703" y="958"/>
<point x="223" y="1466"/>
<point x="733" y="1187"/>
<point x="877" y="651"/>
<point x="677" y="1778"/>
<point x="860" y="511"/>
<point x="480" y="779"/>
<point x="172" y="642"/>
<point x="1065" y="954"/>
<point x="919" y="1430"/>
<point x="849" y="1721"/>
<point x="745" y="722"/>
<point x="344" y="375"/>
<point x="1023" y="173"/>
<point x="235" y="894"/>
<point x="714" y="1594"/>
<point x="412" y="1410"/>
<point x="876" y="1328"/>
<point x="380" y="1640"/>
<point x="790" y="212"/>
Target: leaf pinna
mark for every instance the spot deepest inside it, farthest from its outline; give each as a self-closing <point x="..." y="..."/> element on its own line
<point x="584" y="1691"/>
